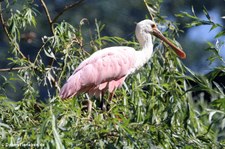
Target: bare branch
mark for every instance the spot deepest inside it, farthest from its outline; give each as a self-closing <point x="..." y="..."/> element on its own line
<point x="66" y="8"/>
<point x="13" y="69"/>
<point x="50" y="23"/>
<point x="3" y="22"/>
<point x="48" y="15"/>
<point x="19" y="68"/>
<point x="7" y="33"/>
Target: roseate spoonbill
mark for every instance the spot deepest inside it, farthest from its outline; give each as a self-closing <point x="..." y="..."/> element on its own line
<point x="107" y="69"/>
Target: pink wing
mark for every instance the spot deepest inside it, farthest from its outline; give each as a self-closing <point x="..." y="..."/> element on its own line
<point x="105" y="69"/>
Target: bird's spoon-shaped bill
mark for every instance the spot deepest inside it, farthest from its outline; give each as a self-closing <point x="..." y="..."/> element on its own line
<point x="177" y="50"/>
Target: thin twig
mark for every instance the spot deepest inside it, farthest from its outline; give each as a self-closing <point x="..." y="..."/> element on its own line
<point x="13" y="69"/>
<point x="26" y="67"/>
<point x="51" y="26"/>
<point x="7" y="33"/>
<point x="3" y="22"/>
<point x="48" y="15"/>
<point x="149" y="10"/>
<point x="19" y="68"/>
<point x="66" y="8"/>
<point x="38" y="54"/>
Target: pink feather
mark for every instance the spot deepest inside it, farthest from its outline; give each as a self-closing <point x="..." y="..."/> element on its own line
<point x="104" y="70"/>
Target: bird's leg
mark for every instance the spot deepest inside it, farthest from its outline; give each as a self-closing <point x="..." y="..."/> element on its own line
<point x="89" y="108"/>
<point x="111" y="96"/>
<point x="110" y="100"/>
<point x="88" y="104"/>
<point x="102" y="104"/>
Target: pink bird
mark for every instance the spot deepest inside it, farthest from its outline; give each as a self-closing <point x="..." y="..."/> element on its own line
<point x="106" y="69"/>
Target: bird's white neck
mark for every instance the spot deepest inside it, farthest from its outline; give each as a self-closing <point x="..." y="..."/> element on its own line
<point x="145" y="54"/>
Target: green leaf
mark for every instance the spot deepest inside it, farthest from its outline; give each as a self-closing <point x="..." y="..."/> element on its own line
<point x="205" y="11"/>
<point x="214" y="26"/>
<point x="222" y="33"/>
<point x="49" y="53"/>
<point x="219" y="103"/>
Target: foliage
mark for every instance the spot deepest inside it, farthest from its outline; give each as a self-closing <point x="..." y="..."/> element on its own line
<point x="156" y="108"/>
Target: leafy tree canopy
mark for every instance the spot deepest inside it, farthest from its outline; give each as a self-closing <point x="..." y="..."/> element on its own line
<point x="163" y="105"/>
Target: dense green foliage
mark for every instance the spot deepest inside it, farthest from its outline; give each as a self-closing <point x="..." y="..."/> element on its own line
<point x="156" y="107"/>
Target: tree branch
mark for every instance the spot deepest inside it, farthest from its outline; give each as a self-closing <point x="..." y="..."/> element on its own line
<point x="7" y="33"/>
<point x="66" y="8"/>
<point x="13" y="69"/>
<point x="48" y="15"/>
<point x="26" y="67"/>
<point x="19" y="68"/>
<point x="50" y="23"/>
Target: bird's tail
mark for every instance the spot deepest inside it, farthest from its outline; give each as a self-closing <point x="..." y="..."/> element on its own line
<point x="70" y="88"/>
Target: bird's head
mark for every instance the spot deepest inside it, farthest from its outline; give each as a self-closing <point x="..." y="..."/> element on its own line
<point x="147" y="27"/>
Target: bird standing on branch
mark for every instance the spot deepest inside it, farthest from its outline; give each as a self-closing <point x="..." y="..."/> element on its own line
<point x="106" y="69"/>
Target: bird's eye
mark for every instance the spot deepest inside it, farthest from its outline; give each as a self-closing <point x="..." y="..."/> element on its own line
<point x="153" y="26"/>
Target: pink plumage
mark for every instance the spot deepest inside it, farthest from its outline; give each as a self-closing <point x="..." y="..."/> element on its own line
<point x="107" y="69"/>
<point x="104" y="70"/>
